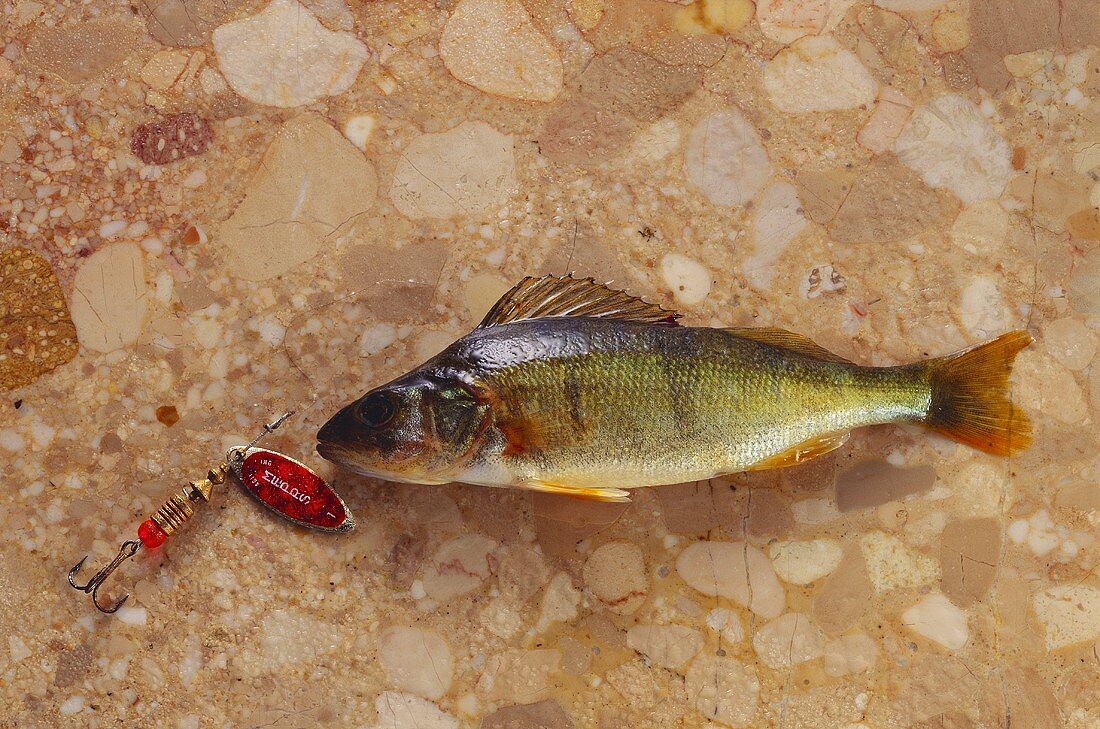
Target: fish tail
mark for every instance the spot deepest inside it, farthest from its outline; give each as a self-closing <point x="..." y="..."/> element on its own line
<point x="970" y="396"/>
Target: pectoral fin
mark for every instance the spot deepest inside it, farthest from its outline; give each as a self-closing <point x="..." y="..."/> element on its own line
<point x="804" y="451"/>
<point x="588" y="493"/>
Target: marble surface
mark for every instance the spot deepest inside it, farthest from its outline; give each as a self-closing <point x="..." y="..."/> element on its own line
<point x="215" y="210"/>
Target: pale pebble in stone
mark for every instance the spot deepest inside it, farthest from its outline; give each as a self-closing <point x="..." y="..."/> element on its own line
<point x="1043" y="384"/>
<point x="132" y="615"/>
<point x="814" y="511"/>
<point x="501" y="619"/>
<point x="358" y="129"/>
<point x="459" y="566"/>
<point x="637" y="683"/>
<point x="939" y="620"/>
<point x="723" y="689"/>
<point x="12" y="441"/>
<point x="847" y="654"/>
<point x="1038" y="531"/>
<point x="494" y="46"/>
<point x="776" y="220"/>
<point x="72" y="705"/>
<point x="334" y="13"/>
<point x="289" y="636"/>
<point x="668" y="646"/>
<point x="725" y="158"/>
<point x="891" y="112"/>
<point x="521" y="676"/>
<point x="816" y="73"/>
<point x="615" y="575"/>
<point x="785" y="21"/>
<point x="312" y="182"/>
<point x="727" y="623"/>
<point x="733" y="570"/>
<point x="982" y="308"/>
<point x="788" y="640"/>
<point x="688" y="279"/>
<point x="401" y="711"/>
<point x="950" y="144"/>
<point x="559" y="602"/>
<point x="212" y="82"/>
<point x="416" y="660"/>
<point x="467" y="170"/>
<point x="801" y="563"/>
<point x="18" y="649"/>
<point x="657" y="141"/>
<point x="951" y="30"/>
<point x="1023" y="65"/>
<point x="981" y="228"/>
<point x="375" y="338"/>
<point x="892" y="565"/>
<point x="1069" y="613"/>
<point x="283" y="56"/>
<point x="164" y="69"/>
<point x="1070" y="342"/>
<point x="978" y="489"/>
<point x="586" y="13"/>
<point x="271" y="331"/>
<point x="110" y="298"/>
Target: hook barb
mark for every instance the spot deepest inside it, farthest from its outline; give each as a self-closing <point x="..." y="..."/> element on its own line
<point x="129" y="549"/>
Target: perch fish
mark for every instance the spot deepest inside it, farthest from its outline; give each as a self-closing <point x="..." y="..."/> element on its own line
<point x="568" y="386"/>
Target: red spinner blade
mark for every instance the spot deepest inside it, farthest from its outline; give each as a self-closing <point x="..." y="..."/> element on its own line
<point x="290" y="489"/>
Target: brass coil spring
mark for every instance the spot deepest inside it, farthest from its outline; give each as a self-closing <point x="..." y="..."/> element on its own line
<point x="174" y="512"/>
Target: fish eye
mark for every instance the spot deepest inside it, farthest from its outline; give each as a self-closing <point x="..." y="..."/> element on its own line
<point x="377" y="409"/>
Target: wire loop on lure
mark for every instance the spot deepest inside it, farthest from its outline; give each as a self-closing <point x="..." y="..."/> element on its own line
<point x="172" y="514"/>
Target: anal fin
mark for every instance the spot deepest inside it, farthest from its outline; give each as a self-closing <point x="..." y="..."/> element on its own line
<point x="588" y="493"/>
<point x="807" y="450"/>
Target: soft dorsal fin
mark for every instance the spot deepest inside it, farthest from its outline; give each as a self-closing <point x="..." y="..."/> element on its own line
<point x="787" y="340"/>
<point x="561" y="296"/>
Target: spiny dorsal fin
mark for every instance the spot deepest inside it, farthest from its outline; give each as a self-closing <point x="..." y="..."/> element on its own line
<point x="787" y="340"/>
<point x="562" y="296"/>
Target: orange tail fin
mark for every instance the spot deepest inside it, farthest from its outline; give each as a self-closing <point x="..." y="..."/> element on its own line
<point x="970" y="397"/>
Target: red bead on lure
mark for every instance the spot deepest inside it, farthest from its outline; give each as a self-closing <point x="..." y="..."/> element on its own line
<point x="282" y="484"/>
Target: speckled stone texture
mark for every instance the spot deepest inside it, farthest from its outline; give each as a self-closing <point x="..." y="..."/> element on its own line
<point x="330" y="191"/>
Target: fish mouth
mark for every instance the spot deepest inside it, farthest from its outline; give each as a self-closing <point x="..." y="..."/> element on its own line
<point x="343" y="457"/>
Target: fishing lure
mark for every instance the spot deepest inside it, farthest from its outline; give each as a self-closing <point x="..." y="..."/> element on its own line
<point x="287" y="487"/>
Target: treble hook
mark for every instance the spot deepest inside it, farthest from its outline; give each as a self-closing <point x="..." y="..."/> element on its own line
<point x="129" y="549"/>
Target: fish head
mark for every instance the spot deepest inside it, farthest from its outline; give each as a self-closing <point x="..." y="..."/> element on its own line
<point x="416" y="429"/>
